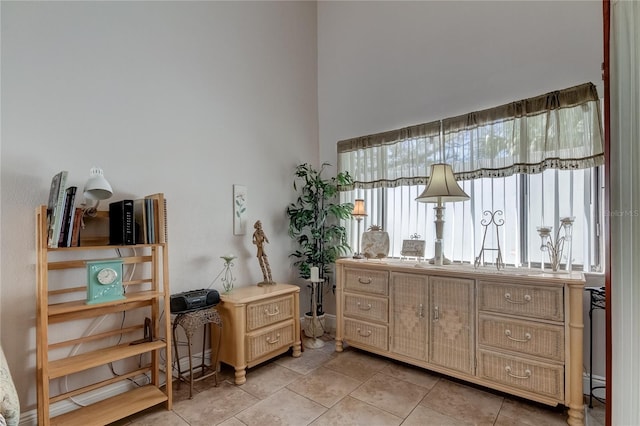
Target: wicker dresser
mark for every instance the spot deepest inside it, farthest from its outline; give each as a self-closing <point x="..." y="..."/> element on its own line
<point x="258" y="324"/>
<point x="516" y="331"/>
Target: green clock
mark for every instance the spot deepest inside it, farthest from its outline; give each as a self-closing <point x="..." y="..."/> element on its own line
<point x="104" y="281"/>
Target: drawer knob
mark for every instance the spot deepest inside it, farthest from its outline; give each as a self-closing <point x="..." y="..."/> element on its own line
<point x="364" y="280"/>
<point x="271" y="342"/>
<point x="526" y="299"/>
<point x="527" y="373"/>
<point x="366" y="334"/>
<point x="270" y="314"/>
<point x="527" y="336"/>
<point x="364" y="308"/>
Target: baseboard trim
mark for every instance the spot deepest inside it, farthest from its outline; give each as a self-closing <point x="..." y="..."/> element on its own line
<point x="597" y="381"/>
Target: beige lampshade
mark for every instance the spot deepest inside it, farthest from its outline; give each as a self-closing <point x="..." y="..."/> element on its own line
<point x="442" y="186"/>
<point x="358" y="209"/>
<point x="97" y="187"/>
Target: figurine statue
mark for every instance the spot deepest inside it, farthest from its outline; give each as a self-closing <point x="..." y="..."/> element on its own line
<point x="259" y="239"/>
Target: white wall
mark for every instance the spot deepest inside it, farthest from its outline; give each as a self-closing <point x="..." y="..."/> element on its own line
<point x="185" y="98"/>
<point x="386" y="65"/>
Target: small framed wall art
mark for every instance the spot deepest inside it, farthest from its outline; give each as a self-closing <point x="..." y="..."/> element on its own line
<point x="239" y="210"/>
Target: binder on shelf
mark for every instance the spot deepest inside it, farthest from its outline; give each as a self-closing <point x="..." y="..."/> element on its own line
<point x="55" y="207"/>
<point x="67" y="216"/>
<point x="121" y="223"/>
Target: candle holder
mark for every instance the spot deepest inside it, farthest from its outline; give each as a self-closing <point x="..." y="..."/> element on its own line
<point x="556" y="248"/>
<point x="228" y="279"/>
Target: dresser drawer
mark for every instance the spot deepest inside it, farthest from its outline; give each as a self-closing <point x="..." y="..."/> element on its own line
<point x="526" y="337"/>
<point x="367" y="281"/>
<point x="270" y="311"/>
<point x="269" y="340"/>
<point x="540" y="378"/>
<point x="366" y="307"/>
<point x="366" y="333"/>
<point x="521" y="299"/>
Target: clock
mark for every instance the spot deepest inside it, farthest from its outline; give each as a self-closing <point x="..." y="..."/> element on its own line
<point x="104" y="281"/>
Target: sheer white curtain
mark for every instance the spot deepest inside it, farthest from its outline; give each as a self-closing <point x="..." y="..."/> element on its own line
<point x="625" y="211"/>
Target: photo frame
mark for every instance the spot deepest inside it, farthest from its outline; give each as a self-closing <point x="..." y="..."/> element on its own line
<point x="412" y="248"/>
<point x="239" y="210"/>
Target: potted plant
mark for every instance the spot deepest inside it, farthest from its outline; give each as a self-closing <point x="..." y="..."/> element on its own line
<point x="314" y="222"/>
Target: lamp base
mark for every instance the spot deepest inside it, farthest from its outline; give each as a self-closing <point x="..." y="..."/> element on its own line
<point x="434" y="261"/>
<point x="358" y="256"/>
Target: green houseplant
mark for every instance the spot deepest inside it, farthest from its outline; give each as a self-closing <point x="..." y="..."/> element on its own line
<point x="314" y="223"/>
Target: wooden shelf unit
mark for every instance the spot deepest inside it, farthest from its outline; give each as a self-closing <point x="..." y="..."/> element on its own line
<point x="60" y="301"/>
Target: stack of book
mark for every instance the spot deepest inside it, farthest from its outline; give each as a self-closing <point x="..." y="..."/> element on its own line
<point x="140" y="221"/>
<point x="63" y="218"/>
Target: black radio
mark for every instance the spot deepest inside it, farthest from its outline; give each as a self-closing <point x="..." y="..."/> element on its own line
<point x="193" y="299"/>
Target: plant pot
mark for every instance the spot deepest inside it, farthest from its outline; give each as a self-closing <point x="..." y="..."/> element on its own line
<point x="314" y="327"/>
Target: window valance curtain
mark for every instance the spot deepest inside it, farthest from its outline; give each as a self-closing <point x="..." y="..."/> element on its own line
<point x="561" y="130"/>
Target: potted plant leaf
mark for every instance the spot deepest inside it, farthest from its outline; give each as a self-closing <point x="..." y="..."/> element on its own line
<point x="314" y="223"/>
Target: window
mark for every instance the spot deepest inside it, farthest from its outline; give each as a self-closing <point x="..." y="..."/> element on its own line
<point x="535" y="160"/>
<point x="527" y="201"/>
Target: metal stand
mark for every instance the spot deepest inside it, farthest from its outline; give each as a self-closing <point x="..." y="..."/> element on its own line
<point x="486" y="222"/>
<point x="314" y="342"/>
<point x="190" y="322"/>
<point x="597" y="301"/>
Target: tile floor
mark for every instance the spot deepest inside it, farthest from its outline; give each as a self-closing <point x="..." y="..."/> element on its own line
<point x="324" y="387"/>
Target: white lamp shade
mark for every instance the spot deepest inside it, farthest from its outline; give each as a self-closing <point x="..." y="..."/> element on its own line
<point x="97" y="187"/>
<point x="358" y="209"/>
<point x="442" y="186"/>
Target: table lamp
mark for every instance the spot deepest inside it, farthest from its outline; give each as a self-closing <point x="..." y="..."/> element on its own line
<point x="359" y="213"/>
<point x="441" y="188"/>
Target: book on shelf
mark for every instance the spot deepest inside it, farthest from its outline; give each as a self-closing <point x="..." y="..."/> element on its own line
<point x="75" y="227"/>
<point x="140" y="218"/>
<point x="67" y="216"/>
<point x="160" y="217"/>
<point x="121" y="223"/>
<point x="55" y="207"/>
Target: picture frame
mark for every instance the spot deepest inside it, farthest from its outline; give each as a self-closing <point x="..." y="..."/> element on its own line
<point x="239" y="210"/>
<point x="412" y="248"/>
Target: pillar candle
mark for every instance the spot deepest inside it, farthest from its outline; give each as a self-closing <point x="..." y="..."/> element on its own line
<point x="314" y="274"/>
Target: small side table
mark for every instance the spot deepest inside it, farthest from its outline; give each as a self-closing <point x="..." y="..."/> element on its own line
<point x="597" y="301"/>
<point x="190" y="322"/>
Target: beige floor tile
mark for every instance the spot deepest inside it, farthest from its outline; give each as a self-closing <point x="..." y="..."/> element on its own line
<point x="353" y="412"/>
<point x="516" y="412"/>
<point x="268" y="379"/>
<point x="284" y="408"/>
<point x="157" y="416"/>
<point x="425" y="416"/>
<point x="214" y="405"/>
<point x="408" y="373"/>
<point x="309" y="360"/>
<point x="390" y="394"/>
<point x="324" y="386"/>
<point x="463" y="402"/>
<point x="232" y="422"/>
<point x="357" y="364"/>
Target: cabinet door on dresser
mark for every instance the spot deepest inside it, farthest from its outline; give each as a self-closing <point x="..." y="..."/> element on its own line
<point x="452" y="323"/>
<point x="409" y="330"/>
